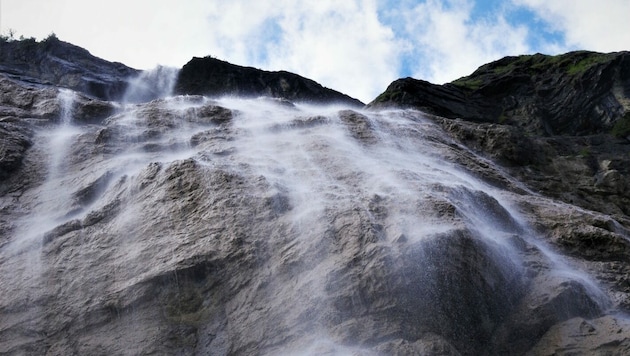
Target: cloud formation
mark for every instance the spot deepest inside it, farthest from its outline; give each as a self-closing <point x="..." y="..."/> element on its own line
<point x="355" y="46"/>
<point x="447" y="42"/>
<point x="594" y="25"/>
<point x="342" y="45"/>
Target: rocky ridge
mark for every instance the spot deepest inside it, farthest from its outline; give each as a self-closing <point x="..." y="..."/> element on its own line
<point x="213" y="77"/>
<point x="578" y="93"/>
<point x="195" y="226"/>
<point x="58" y="63"/>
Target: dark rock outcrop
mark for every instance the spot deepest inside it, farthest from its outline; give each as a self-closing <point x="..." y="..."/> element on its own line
<point x="16" y="139"/>
<point x="577" y="93"/>
<point x="214" y="77"/>
<point x="58" y="63"/>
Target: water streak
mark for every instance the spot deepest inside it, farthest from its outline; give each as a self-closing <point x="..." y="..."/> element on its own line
<point x="151" y="84"/>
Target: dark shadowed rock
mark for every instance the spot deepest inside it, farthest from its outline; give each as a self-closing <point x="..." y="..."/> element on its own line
<point x="213" y="77"/>
<point x="58" y="63"/>
<point x="16" y="139"/>
<point x="575" y="93"/>
<point x="590" y="171"/>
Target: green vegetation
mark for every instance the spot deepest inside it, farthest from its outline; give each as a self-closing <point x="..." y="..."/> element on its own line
<point x="622" y="126"/>
<point x="570" y="63"/>
<point x="468" y="83"/>
<point x="8" y="37"/>
<point x="51" y="37"/>
<point x="586" y="63"/>
<point x="389" y="96"/>
<point x="585" y="152"/>
<point x="184" y="305"/>
<point x="502" y="117"/>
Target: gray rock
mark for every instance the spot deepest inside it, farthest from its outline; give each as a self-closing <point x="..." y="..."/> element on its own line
<point x="601" y="336"/>
<point x="58" y="63"/>
<point x="196" y="226"/>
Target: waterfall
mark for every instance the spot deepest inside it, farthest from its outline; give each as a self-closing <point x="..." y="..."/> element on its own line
<point x="233" y="226"/>
<point x="150" y="85"/>
<point x="52" y="199"/>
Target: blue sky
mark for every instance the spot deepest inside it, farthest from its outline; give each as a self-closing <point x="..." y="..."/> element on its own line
<point x="354" y="46"/>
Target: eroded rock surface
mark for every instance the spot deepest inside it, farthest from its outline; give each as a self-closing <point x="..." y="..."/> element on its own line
<point x="190" y="225"/>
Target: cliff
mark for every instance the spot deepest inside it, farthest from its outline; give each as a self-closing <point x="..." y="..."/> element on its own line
<point x="577" y="93"/>
<point x="558" y="123"/>
<point x="225" y="225"/>
<point x="214" y="77"/>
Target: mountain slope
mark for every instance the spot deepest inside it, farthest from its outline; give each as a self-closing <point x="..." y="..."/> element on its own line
<point x="576" y="93"/>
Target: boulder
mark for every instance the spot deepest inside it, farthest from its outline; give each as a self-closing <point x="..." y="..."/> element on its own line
<point x="579" y="336"/>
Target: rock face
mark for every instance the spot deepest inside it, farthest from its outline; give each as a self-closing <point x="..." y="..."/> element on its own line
<point x="62" y="64"/>
<point x="576" y="93"/>
<point x="213" y="77"/>
<point x="192" y="225"/>
<point x="558" y="123"/>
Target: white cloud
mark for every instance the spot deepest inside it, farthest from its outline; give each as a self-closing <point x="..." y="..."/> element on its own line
<point x="341" y="45"/>
<point x="601" y="25"/>
<point x="345" y="48"/>
<point x="449" y="44"/>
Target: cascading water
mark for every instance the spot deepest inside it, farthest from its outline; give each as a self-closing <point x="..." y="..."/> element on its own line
<point x="230" y="226"/>
<point x="150" y="85"/>
<point x="55" y="193"/>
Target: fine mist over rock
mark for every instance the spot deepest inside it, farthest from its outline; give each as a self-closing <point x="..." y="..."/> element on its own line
<point x="204" y="223"/>
<point x="559" y="123"/>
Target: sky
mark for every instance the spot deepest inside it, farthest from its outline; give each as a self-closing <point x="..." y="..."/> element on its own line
<point x="357" y="47"/>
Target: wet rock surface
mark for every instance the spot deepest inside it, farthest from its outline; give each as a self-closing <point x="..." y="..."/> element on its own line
<point x="190" y="225"/>
<point x="589" y="171"/>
